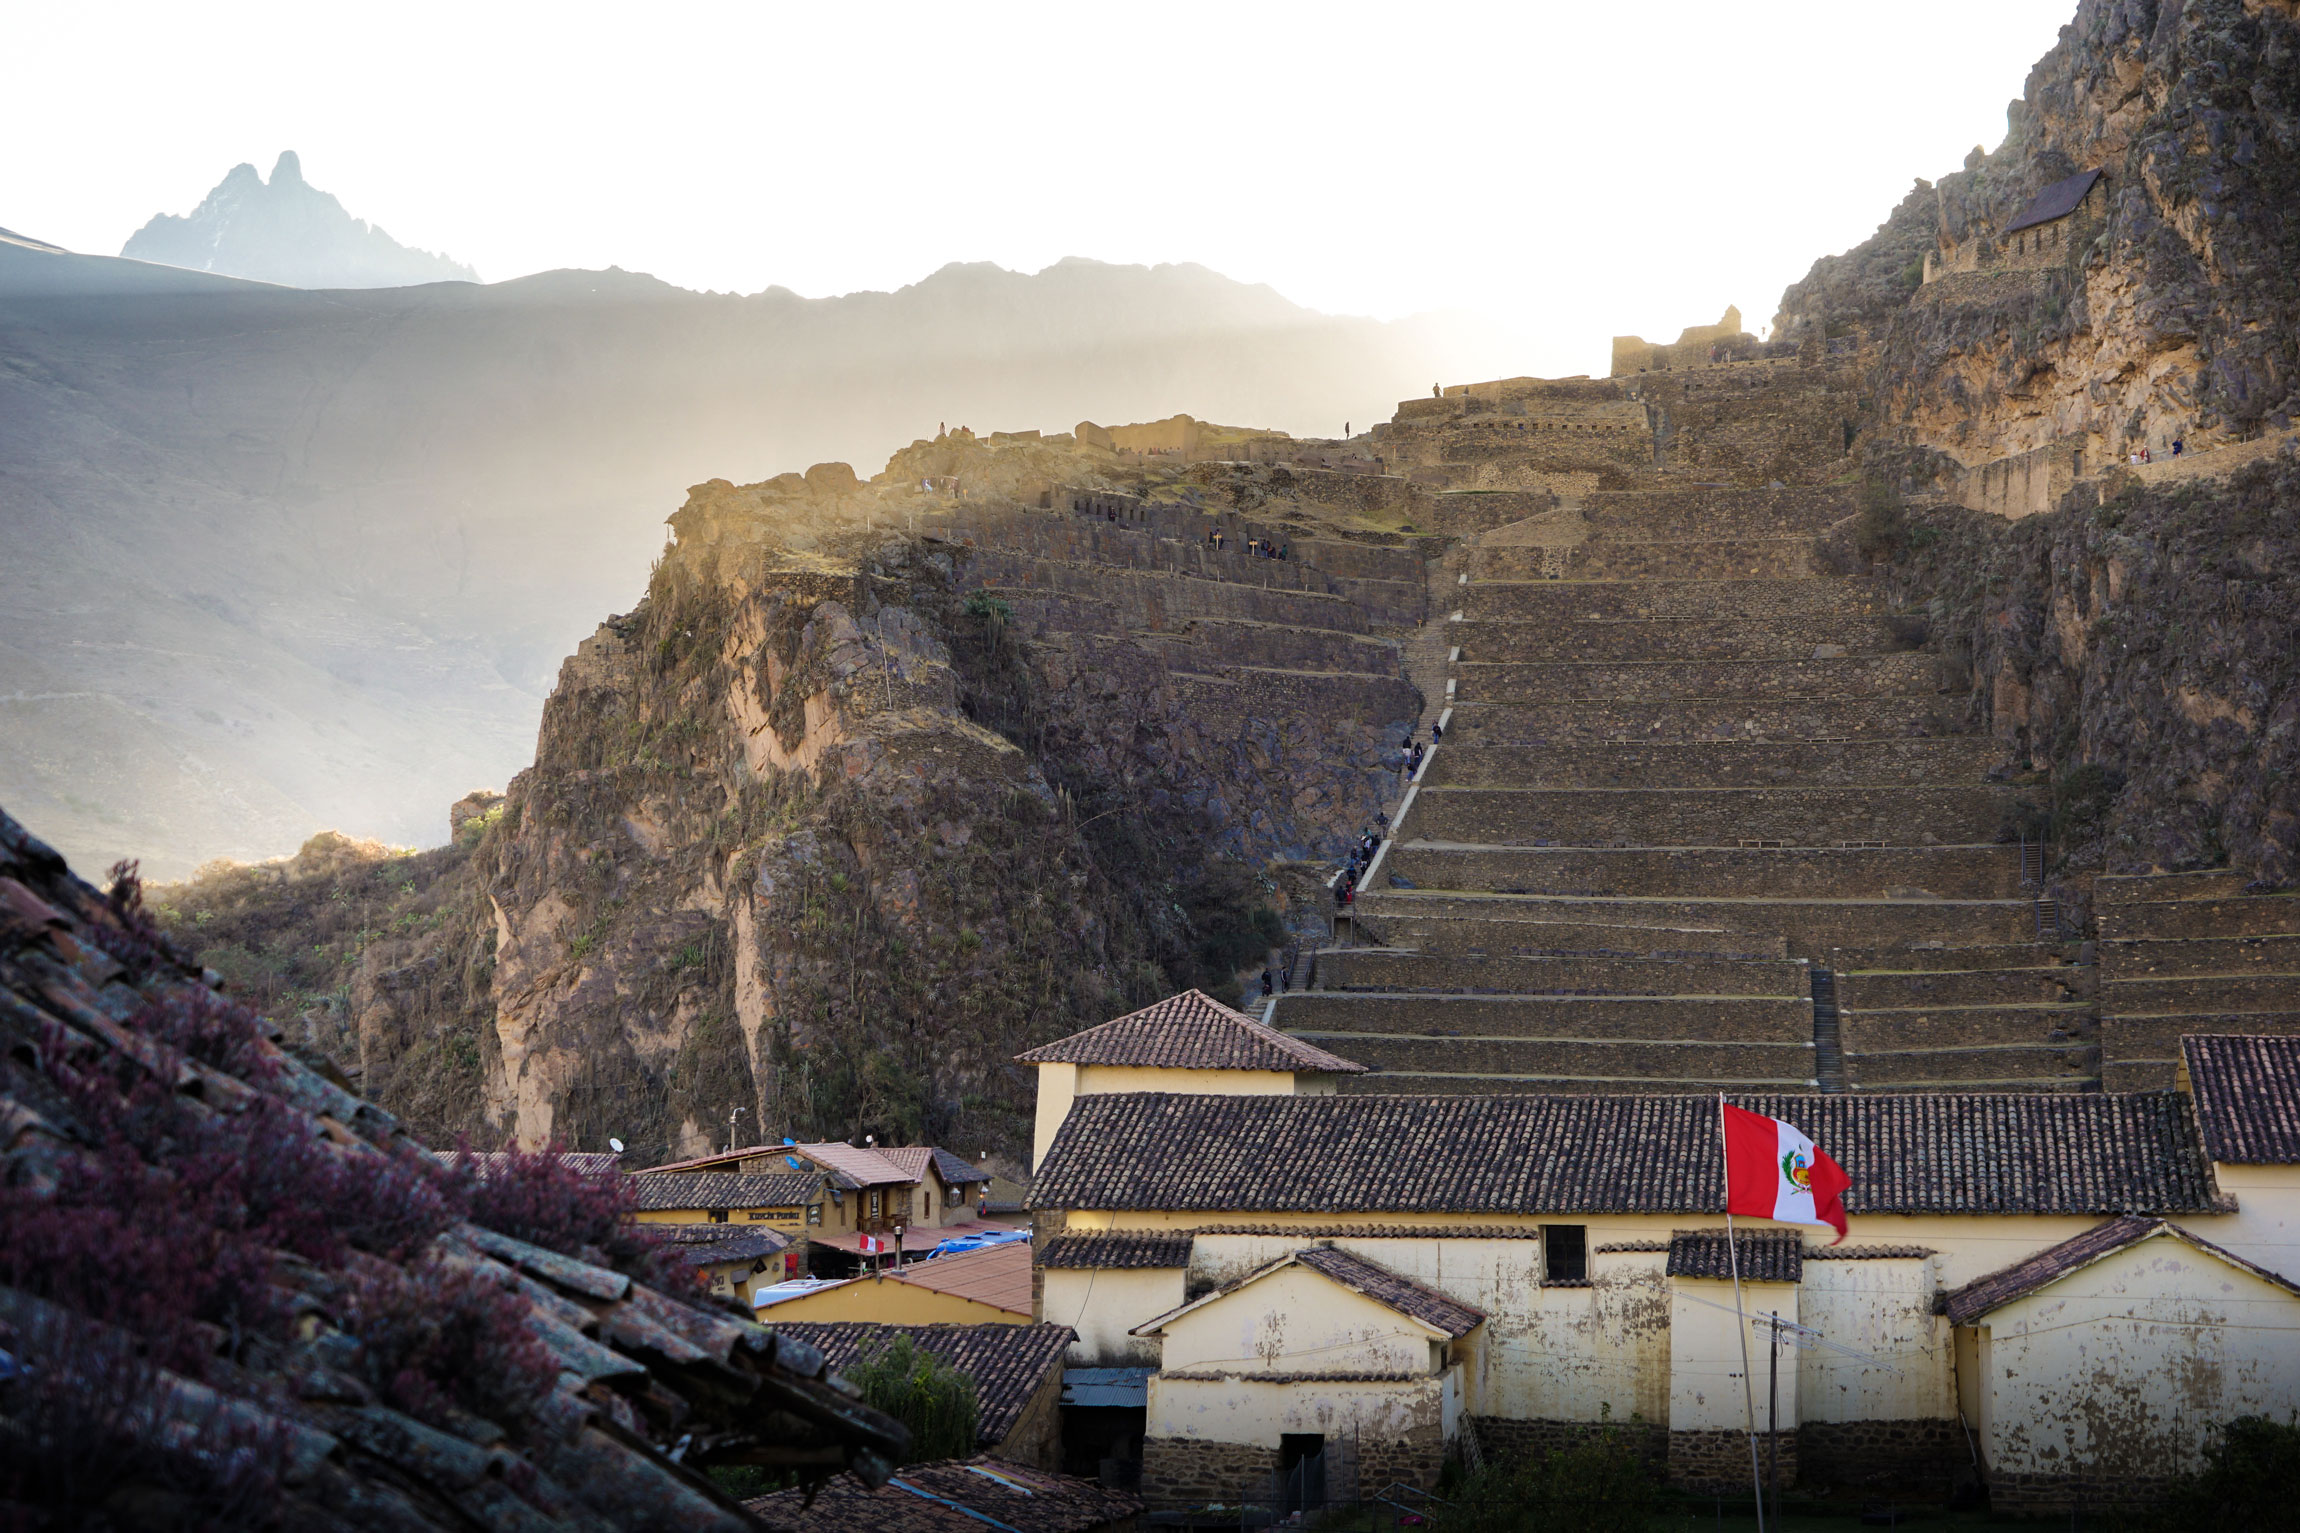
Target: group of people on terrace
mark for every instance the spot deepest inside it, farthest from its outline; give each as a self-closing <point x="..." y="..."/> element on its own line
<point x="1260" y="548"/>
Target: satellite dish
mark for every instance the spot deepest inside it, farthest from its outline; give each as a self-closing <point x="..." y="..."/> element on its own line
<point x="616" y="1145"/>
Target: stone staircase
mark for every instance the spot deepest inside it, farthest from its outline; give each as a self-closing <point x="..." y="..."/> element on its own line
<point x="1693" y="786"/>
<point x="2189" y="953"/>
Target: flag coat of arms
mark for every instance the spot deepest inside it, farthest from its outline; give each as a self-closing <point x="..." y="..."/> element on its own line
<point x="1772" y="1171"/>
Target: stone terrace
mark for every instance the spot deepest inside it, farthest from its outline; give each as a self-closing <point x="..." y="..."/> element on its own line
<point x="2190" y="953"/>
<point x="1700" y="819"/>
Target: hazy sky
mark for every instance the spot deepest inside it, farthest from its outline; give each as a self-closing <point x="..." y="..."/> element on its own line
<point x="1569" y="170"/>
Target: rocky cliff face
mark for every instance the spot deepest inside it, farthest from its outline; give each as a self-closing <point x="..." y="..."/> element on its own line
<point x="853" y="807"/>
<point x="2176" y="317"/>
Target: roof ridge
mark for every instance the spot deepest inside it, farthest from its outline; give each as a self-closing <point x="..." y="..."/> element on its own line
<point x="1160" y="1036"/>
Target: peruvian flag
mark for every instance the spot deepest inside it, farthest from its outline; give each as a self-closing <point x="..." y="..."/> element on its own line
<point x="1774" y="1172"/>
<point x="874" y="1245"/>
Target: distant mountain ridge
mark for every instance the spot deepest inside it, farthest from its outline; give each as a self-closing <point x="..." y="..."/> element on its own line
<point x="281" y="561"/>
<point x="289" y="232"/>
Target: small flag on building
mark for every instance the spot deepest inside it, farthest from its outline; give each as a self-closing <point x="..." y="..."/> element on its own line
<point x="871" y="1245"/>
<point x="1772" y="1171"/>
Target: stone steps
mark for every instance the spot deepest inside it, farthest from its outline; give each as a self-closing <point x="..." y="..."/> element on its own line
<point x="1676" y="816"/>
<point x="1870" y="990"/>
<point x="1971" y="872"/>
<point x="1693" y="720"/>
<point x="2257" y="915"/>
<point x="2200" y="993"/>
<point x="1617" y="681"/>
<point x="1808" y="927"/>
<point x="2133" y="958"/>
<point x="1606" y="558"/>
<point x="1879" y="763"/>
<point x="1793" y="637"/>
<point x="1539" y="599"/>
<point x="1991" y="1067"/>
<point x="1591" y="973"/>
<point x="1577" y="1063"/>
<point x="1608" y="1018"/>
<point x="1438" y="925"/>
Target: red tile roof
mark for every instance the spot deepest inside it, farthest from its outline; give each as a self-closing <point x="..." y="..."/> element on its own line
<point x="659" y="1191"/>
<point x="1113" y="1251"/>
<point x="1765" y="1255"/>
<point x="999" y="1276"/>
<point x="2247" y="1095"/>
<point x="868" y="1167"/>
<point x="1008" y="1363"/>
<point x="915" y="1158"/>
<point x="1470" y="1156"/>
<point x="1974" y="1301"/>
<point x="1190" y="1031"/>
<point x="972" y="1497"/>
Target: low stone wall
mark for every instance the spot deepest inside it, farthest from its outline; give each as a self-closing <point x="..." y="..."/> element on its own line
<point x="1415" y="1459"/>
<point x="1719" y="763"/>
<point x="1483" y="721"/>
<point x="1980" y="986"/>
<point x="1681" y="1061"/>
<point x="2030" y="1495"/>
<point x="1718" y="1462"/>
<point x="1672" y="816"/>
<point x="1794" y="636"/>
<point x="1582" y="974"/>
<point x="1969" y="1068"/>
<point x="1883" y="1457"/>
<point x="1810" y="926"/>
<point x="1906" y="675"/>
<point x="1537" y="598"/>
<point x="1786" y="872"/>
<point x="1470" y="1019"/>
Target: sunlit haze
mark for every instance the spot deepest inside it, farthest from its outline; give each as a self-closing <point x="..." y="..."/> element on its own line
<point x="1563" y="172"/>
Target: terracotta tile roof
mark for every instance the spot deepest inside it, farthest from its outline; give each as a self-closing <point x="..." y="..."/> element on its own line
<point x="2247" y="1096"/>
<point x="999" y="1276"/>
<point x="2055" y="201"/>
<point x="1227" y="1376"/>
<point x="1116" y="1250"/>
<point x="1008" y="1363"/>
<point x="726" y="1189"/>
<point x="1190" y="1031"/>
<point x="703" y="1244"/>
<point x="1936" y="1153"/>
<point x="1378" y="1231"/>
<point x="987" y="1494"/>
<point x="1865" y="1253"/>
<point x="95" y="1003"/>
<point x="913" y="1159"/>
<point x="1976" y="1299"/>
<point x="1766" y="1256"/>
<point x="731" y="1159"/>
<point x="483" y="1161"/>
<point x="1402" y="1294"/>
<point x="868" y="1167"/>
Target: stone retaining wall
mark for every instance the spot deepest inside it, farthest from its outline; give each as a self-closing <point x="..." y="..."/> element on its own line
<point x="1686" y="817"/>
<point x="1781" y="873"/>
<point x="1184" y="1471"/>
<point x="1469" y="1019"/>
<point x="1505" y="1439"/>
<point x="1791" y="637"/>
<point x="1723" y="763"/>
<point x="1883" y="1457"/>
<point x="1537" y="598"/>
<point x="1909" y="675"/>
<point x="1718" y="1462"/>
<point x="1676" y="720"/>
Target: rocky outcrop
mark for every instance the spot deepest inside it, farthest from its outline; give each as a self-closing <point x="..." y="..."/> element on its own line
<point x="2174" y="316"/>
<point x="286" y="231"/>
<point x="2136" y="654"/>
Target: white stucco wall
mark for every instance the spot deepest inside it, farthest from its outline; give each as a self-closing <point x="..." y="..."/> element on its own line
<point x="1296" y="1321"/>
<point x="1259" y="1413"/>
<point x="1705" y="1388"/>
<point x="1883" y="1308"/>
<point x="1103" y="1305"/>
<point x="2266" y="1225"/>
<point x="2122" y="1367"/>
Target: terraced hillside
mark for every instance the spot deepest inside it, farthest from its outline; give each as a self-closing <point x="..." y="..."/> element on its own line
<point x="1701" y="819"/>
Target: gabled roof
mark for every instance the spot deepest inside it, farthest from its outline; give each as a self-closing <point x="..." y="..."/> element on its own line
<point x="998" y="1276"/>
<point x="2247" y="1095"/>
<point x="915" y="1158"/>
<point x="868" y="1168"/>
<point x="1110" y="1252"/>
<point x="703" y="1245"/>
<point x="1446" y="1316"/>
<point x="1008" y="1363"/>
<point x="730" y="1159"/>
<point x="659" y="1191"/>
<point x="588" y="1162"/>
<point x="1765" y="1255"/>
<point x="1977" y="1299"/>
<point x="1940" y="1152"/>
<point x="947" y="1497"/>
<point x="1190" y="1031"/>
<point x="2056" y="201"/>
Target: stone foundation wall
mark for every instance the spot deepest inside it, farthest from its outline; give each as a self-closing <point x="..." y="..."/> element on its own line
<point x="1505" y="1439"/>
<point x="1883" y="1457"/>
<point x="1184" y="1471"/>
<point x="2053" y="1494"/>
<point x="1719" y="1461"/>
<point x="1415" y="1459"/>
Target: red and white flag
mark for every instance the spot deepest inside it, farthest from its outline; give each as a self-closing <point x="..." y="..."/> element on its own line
<point x="1774" y="1172"/>
<point x="870" y="1245"/>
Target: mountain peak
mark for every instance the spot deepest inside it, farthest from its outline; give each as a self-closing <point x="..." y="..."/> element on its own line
<point x="289" y="232"/>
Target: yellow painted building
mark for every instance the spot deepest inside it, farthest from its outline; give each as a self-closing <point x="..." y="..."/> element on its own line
<point x="990" y="1287"/>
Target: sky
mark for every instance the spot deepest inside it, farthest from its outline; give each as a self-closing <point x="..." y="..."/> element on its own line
<point x="1562" y="172"/>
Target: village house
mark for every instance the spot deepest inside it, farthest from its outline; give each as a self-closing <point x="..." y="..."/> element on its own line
<point x="734" y="1262"/>
<point x="795" y="1203"/>
<point x="2049" y="230"/>
<point x="908" y="1197"/>
<point x="991" y="1286"/>
<point x="1316" y="1273"/>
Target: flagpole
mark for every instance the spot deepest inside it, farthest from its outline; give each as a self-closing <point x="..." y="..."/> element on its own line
<point x="1740" y="1319"/>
